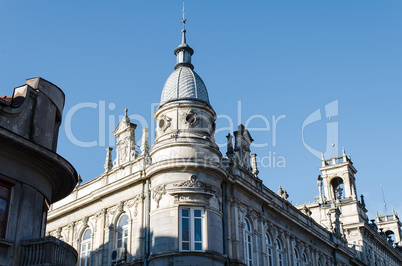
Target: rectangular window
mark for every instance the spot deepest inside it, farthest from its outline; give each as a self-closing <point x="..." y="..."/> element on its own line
<point x="191" y="229"/>
<point x="5" y="193"/>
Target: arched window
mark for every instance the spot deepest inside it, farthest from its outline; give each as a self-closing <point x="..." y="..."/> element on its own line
<point x="297" y="257"/>
<point x="279" y="252"/>
<point x="85" y="249"/>
<point x="305" y="259"/>
<point x="268" y="245"/>
<point x="248" y="243"/>
<point x="338" y="188"/>
<point x="122" y="231"/>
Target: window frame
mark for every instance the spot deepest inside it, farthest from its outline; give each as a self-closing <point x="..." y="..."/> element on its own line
<point x="191" y="228"/>
<point x="248" y="242"/>
<point x="296" y="257"/>
<point x="9" y="184"/>
<point x="279" y="252"/>
<point x="305" y="259"/>
<point x="87" y="252"/>
<point x="269" y="250"/>
<point x="122" y="229"/>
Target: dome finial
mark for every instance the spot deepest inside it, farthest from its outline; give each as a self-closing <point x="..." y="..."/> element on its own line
<point x="184" y="52"/>
<point x="183" y="20"/>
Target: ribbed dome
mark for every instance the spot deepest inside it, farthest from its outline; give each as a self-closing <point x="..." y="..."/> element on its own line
<point x="184" y="84"/>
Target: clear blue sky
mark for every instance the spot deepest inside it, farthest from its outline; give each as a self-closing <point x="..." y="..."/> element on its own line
<point x="286" y="58"/>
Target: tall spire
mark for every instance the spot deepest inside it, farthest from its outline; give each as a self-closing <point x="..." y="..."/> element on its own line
<point x="183" y="51"/>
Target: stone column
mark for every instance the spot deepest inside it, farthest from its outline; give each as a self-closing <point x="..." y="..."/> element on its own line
<point x="235" y="232"/>
<point x="275" y="246"/>
<point x="130" y="240"/>
<point x="140" y="232"/>
<point x="229" y="246"/>
<point x="263" y="248"/>
<point x="287" y="248"/>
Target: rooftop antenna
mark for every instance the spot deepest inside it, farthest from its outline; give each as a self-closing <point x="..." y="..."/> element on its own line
<point x="383" y="198"/>
<point x="332" y="138"/>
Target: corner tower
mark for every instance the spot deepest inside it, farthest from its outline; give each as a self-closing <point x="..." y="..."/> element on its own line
<point x="186" y="172"/>
<point x="185" y="118"/>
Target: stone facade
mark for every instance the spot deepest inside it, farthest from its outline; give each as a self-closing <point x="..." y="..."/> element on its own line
<point x="32" y="175"/>
<point x="338" y="209"/>
<point x="183" y="203"/>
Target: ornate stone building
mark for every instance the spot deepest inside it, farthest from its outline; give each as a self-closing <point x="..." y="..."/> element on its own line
<point x="32" y="175"/>
<point x="181" y="202"/>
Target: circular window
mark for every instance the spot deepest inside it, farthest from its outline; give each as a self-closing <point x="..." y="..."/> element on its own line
<point x="190" y="118"/>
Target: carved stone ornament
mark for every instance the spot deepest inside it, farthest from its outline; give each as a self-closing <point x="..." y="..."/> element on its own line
<point x="193" y="182"/>
<point x="120" y="207"/>
<point x="219" y="199"/>
<point x="58" y="233"/>
<point x="112" y="210"/>
<point x="100" y="214"/>
<point x="133" y="203"/>
<point x="189" y="118"/>
<point x="164" y="122"/>
<point x="85" y="221"/>
<point x="211" y="125"/>
<point x="158" y="192"/>
<point x="192" y="191"/>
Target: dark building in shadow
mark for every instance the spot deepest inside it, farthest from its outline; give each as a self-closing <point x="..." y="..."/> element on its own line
<point x="32" y="175"/>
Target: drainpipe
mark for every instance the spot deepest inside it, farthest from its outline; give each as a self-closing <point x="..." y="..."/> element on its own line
<point x="224" y="223"/>
<point x="147" y="209"/>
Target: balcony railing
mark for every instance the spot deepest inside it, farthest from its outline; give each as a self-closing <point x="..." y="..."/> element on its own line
<point x="47" y="251"/>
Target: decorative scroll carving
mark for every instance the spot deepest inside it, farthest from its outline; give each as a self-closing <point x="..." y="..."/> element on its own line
<point x="158" y="192"/>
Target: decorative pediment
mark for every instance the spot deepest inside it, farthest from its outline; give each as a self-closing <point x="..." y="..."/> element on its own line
<point x="193" y="182"/>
